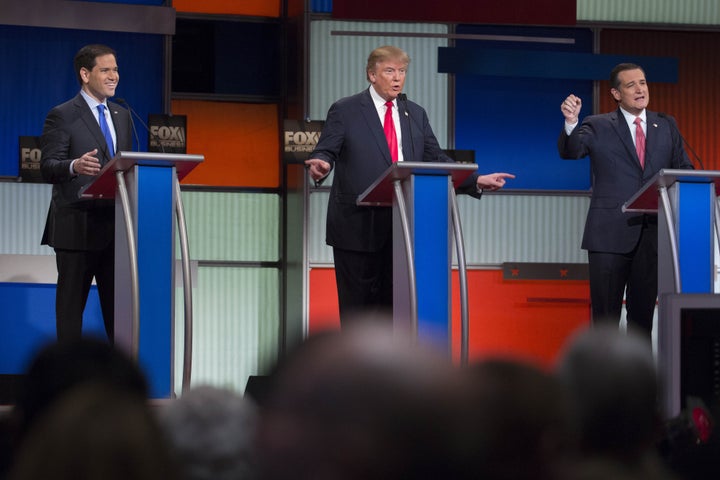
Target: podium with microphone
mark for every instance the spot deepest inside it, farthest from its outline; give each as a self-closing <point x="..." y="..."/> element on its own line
<point x="688" y="328"/>
<point x="146" y="189"/>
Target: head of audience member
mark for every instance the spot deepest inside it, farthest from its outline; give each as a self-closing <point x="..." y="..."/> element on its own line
<point x="363" y="403"/>
<point x="520" y="421"/>
<point x="95" y="431"/>
<point x="211" y="431"/>
<point x="61" y="366"/>
<point x="612" y="378"/>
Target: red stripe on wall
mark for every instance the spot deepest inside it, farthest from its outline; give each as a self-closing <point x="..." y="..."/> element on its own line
<point x="529" y="320"/>
<point x="514" y="12"/>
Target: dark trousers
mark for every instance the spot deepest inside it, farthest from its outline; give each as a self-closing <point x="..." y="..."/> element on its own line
<point x="637" y="271"/>
<point x="76" y="270"/>
<point x="364" y="283"/>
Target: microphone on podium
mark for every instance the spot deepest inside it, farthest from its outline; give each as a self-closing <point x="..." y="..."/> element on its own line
<point x="671" y="121"/>
<point x="133" y="113"/>
<point x="403" y="98"/>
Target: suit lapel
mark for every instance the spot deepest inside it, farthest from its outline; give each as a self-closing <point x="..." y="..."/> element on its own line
<point x="369" y="112"/>
<point x="651" y="137"/>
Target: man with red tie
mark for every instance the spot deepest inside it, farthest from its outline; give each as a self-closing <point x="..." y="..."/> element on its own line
<point x="627" y="147"/>
<point x="363" y="134"/>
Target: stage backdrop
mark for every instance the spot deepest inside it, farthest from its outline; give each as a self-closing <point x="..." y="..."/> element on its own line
<point x="38" y="74"/>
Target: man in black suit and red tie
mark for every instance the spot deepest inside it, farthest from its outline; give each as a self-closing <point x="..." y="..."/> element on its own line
<point x="79" y="137"/>
<point x="627" y="147"/>
<point x="359" y="141"/>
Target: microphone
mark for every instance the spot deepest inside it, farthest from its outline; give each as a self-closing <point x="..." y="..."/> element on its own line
<point x="403" y="98"/>
<point x="133" y="113"/>
<point x="677" y="130"/>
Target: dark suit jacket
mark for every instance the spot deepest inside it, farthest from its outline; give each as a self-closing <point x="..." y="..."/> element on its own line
<point x="617" y="174"/>
<point x="70" y="131"/>
<point x="354" y="144"/>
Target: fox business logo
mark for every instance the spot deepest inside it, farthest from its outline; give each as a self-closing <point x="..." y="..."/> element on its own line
<point x="167" y="136"/>
<point x="30" y="158"/>
<point x="301" y="141"/>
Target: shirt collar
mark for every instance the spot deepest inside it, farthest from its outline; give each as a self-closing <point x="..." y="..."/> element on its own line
<point x="630" y="118"/>
<point x="378" y="100"/>
<point x="92" y="103"/>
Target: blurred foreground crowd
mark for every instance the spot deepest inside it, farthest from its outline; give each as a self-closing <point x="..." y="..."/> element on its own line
<point x="362" y="404"/>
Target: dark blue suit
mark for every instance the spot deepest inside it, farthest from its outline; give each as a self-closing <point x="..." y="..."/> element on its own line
<point x="632" y="237"/>
<point x="354" y="144"/>
<point x="80" y="231"/>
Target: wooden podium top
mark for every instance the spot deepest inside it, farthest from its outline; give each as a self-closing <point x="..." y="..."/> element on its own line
<point x="646" y="199"/>
<point x="103" y="186"/>
<point x="380" y="193"/>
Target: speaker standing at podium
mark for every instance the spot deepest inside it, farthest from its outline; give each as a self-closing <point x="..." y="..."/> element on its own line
<point x="76" y="142"/>
<point x="362" y="136"/>
<point x="627" y="148"/>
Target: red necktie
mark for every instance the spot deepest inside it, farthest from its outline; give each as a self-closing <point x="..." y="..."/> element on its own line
<point x="640" y="141"/>
<point x="390" y="135"/>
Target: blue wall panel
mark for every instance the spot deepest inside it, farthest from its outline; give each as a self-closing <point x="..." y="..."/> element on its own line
<point x="38" y="74"/>
<point x="513" y="123"/>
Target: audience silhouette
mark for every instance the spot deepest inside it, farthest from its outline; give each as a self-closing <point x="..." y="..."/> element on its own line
<point x="211" y="432"/>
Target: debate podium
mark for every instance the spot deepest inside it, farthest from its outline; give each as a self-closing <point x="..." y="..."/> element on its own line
<point x="424" y="218"/>
<point x="146" y="190"/>
<point x="688" y="329"/>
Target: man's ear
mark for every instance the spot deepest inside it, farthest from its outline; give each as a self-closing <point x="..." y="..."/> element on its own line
<point x="615" y="94"/>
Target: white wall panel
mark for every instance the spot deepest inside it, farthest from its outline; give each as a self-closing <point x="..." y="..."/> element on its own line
<point x="673" y="12"/>
<point x="338" y="60"/>
<point x="232" y="226"/>
<point x="523" y="228"/>
<point x="236" y="326"/>
<point x="23" y="210"/>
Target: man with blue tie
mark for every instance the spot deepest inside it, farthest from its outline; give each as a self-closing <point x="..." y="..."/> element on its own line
<point x="79" y="137"/>
<point x="627" y="147"/>
<point x="362" y="136"/>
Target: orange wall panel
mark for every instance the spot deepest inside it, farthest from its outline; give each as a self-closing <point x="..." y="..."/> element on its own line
<point x="261" y="8"/>
<point x="240" y="143"/>
<point x="528" y="320"/>
<point x="693" y="101"/>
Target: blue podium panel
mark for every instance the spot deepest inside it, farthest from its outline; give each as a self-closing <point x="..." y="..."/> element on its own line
<point x="695" y="236"/>
<point x="155" y="243"/>
<point x="431" y="241"/>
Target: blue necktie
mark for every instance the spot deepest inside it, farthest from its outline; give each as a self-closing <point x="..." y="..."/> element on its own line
<point x="105" y="130"/>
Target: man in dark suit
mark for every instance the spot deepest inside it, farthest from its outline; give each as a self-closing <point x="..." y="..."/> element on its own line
<point x="622" y="247"/>
<point x="353" y="143"/>
<point x="74" y="148"/>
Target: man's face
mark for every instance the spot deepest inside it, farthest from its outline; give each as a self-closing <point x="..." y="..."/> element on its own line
<point x="101" y="81"/>
<point x="388" y="78"/>
<point x="632" y="94"/>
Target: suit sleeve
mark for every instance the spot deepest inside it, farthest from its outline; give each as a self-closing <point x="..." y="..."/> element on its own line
<point x="332" y="137"/>
<point x="577" y="144"/>
<point x="55" y="147"/>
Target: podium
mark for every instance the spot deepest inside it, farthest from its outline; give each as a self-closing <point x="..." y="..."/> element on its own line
<point x="146" y="190"/>
<point x="686" y="204"/>
<point x="423" y="200"/>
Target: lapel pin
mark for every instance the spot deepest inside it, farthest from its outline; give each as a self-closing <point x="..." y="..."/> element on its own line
<point x="655" y="125"/>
